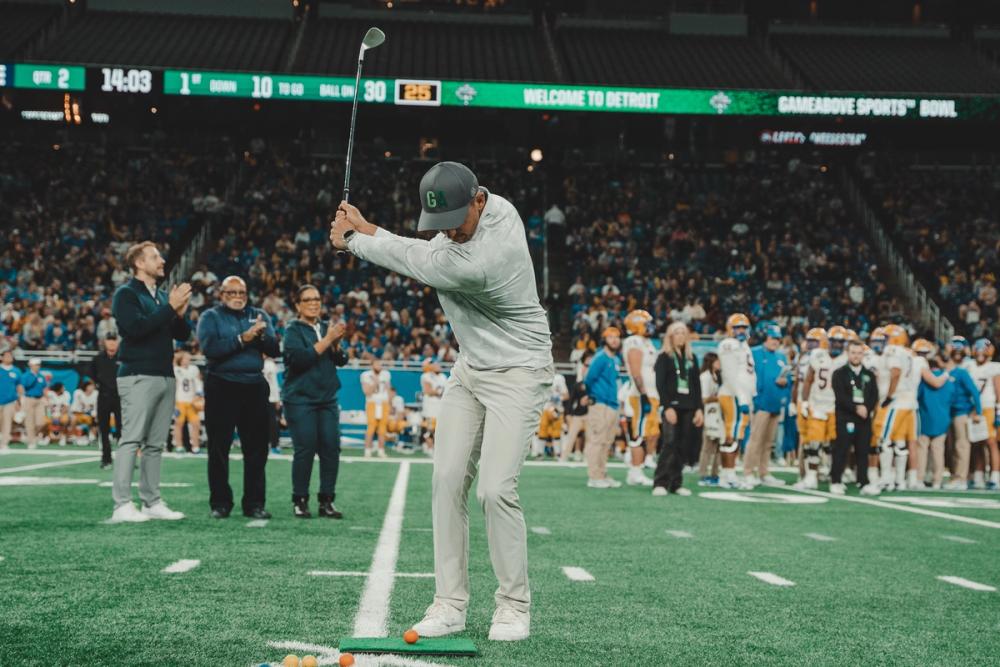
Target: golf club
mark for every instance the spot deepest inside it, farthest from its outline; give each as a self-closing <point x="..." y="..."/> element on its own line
<point x="373" y="38"/>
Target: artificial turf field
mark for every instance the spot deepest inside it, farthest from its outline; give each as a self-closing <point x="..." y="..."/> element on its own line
<point x="74" y="591"/>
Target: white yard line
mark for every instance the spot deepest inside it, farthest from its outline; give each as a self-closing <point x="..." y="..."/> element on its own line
<point x="965" y="583"/>
<point x="903" y="508"/>
<point x="349" y="573"/>
<point x="577" y="573"/>
<point x="820" y="537"/>
<point x="682" y="534"/>
<point x="373" y="609"/>
<point x="183" y="565"/>
<point x="960" y="540"/>
<point x="257" y="523"/>
<point x="51" y="464"/>
<point x="540" y="530"/>
<point x="772" y="578"/>
<point x="163" y="485"/>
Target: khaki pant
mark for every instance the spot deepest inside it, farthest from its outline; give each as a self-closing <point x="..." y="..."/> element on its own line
<point x="34" y="417"/>
<point x="6" y="422"/>
<point x="575" y="424"/>
<point x="763" y="428"/>
<point x="601" y="423"/>
<point x="708" y="460"/>
<point x="936" y="445"/>
<point x="147" y="408"/>
<point x="963" y="449"/>
<point x="487" y="422"/>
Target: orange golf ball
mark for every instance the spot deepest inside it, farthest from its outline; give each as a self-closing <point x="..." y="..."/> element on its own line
<point x="410" y="636"/>
<point x="290" y="661"/>
<point x="310" y="661"/>
<point x="346" y="660"/>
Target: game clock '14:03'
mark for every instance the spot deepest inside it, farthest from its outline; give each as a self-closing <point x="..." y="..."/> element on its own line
<point x="120" y="80"/>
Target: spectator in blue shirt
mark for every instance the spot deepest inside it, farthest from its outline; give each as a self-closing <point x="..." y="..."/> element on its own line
<point x="965" y="405"/>
<point x="602" y="415"/>
<point x="773" y="391"/>
<point x="33" y="401"/>
<point x="10" y="395"/>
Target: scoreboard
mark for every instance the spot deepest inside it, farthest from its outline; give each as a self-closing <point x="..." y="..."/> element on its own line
<point x="125" y="80"/>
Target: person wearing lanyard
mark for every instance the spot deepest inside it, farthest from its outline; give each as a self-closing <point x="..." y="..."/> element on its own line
<point x="312" y="353"/>
<point x="773" y="391"/>
<point x="855" y="392"/>
<point x="679" y="387"/>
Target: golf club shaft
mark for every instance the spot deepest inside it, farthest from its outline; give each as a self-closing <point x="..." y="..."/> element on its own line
<point x="350" y="138"/>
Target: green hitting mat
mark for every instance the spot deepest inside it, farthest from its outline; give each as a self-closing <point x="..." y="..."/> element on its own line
<point x="428" y="646"/>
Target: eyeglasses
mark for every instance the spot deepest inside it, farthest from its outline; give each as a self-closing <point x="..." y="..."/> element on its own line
<point x="233" y="293"/>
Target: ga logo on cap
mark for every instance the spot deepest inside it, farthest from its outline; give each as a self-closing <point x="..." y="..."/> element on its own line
<point x="435" y="199"/>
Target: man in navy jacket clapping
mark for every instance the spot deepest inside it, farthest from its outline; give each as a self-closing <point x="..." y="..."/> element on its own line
<point x="234" y="338"/>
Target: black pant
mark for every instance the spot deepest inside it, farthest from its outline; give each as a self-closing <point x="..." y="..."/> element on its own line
<point x="272" y="425"/>
<point x="677" y="442"/>
<point x="860" y="439"/>
<point x="105" y="408"/>
<point x="315" y="430"/>
<point x="242" y="406"/>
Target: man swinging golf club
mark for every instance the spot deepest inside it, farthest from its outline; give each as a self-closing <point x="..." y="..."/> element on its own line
<point x="480" y="266"/>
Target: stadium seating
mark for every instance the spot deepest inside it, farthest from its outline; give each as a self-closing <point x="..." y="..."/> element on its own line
<point x="20" y="23"/>
<point x="69" y="211"/>
<point x="891" y="64"/>
<point x="947" y="218"/>
<point x="427" y="50"/>
<point x="654" y="58"/>
<point x="171" y="41"/>
<point x="771" y="239"/>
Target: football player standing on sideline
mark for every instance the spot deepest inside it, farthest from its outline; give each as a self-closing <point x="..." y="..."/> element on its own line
<point x="644" y="425"/>
<point x="739" y="385"/>
<point x="480" y="265"/>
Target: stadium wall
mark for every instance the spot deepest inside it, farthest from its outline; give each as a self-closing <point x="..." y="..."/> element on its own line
<point x="266" y="9"/>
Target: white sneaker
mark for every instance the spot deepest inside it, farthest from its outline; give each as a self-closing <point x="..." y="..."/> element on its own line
<point x="771" y="480"/>
<point x="957" y="485"/>
<point x="509" y="625"/>
<point x="161" y="511"/>
<point x="127" y="513"/>
<point x="838" y="489"/>
<point x="848" y="476"/>
<point x="681" y="491"/>
<point x="750" y="483"/>
<point x="577" y="457"/>
<point x="637" y="478"/>
<point x="649" y="462"/>
<point x="606" y="483"/>
<point x="871" y="490"/>
<point x="382" y="454"/>
<point x="729" y="484"/>
<point x="440" y="620"/>
<point x="660" y="491"/>
<point x="806" y="484"/>
<point x="368" y="453"/>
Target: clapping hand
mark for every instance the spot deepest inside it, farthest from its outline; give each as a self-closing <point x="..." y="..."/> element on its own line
<point x="255" y="331"/>
<point x="336" y="332"/>
<point x="180" y="297"/>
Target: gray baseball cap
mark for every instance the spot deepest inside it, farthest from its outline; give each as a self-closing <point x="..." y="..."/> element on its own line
<point x="445" y="192"/>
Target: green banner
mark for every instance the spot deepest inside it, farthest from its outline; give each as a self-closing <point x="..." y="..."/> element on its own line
<point x="49" y="77"/>
<point x="275" y="86"/>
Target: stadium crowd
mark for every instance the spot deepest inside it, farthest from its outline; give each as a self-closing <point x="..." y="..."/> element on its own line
<point x="946" y="221"/>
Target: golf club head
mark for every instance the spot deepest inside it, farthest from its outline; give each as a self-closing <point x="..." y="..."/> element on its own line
<point x="374" y="37"/>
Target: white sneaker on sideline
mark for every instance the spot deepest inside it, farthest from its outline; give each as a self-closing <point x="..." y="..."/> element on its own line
<point x="606" y="483"/>
<point x="509" y="625"/>
<point x="871" y="490"/>
<point x="660" y="491"/>
<point x="368" y="453"/>
<point x="806" y="484"/>
<point x="771" y="480"/>
<point x="161" y="511"/>
<point x="127" y="513"/>
<point x="957" y="485"/>
<point x="636" y="477"/>
<point x="749" y="483"/>
<point x="649" y="462"/>
<point x="382" y="454"/>
<point x="440" y="620"/>
<point x="681" y="491"/>
<point x="838" y="489"/>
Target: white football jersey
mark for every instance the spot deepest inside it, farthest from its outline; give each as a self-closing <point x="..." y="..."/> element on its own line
<point x="381" y="381"/>
<point x="739" y="375"/>
<point x="982" y="375"/>
<point x="909" y="383"/>
<point x="897" y="356"/>
<point x="968" y="363"/>
<point x="648" y="351"/>
<point x="881" y="369"/>
<point x="85" y="403"/>
<point x="431" y="406"/>
<point x="187" y="383"/>
<point x="59" y="403"/>
<point x="821" y="399"/>
<point x="801" y="372"/>
<point x="398" y="407"/>
<point x="870" y="359"/>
